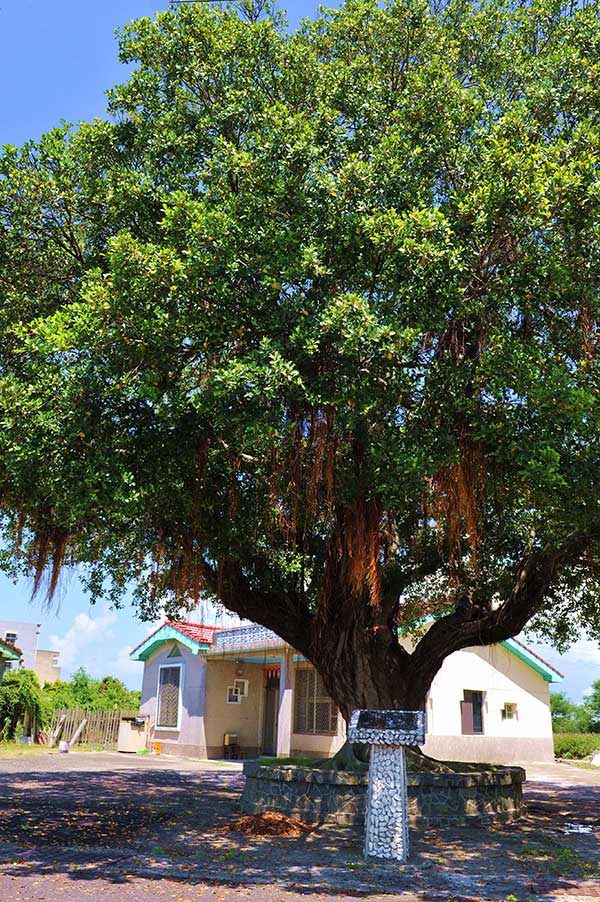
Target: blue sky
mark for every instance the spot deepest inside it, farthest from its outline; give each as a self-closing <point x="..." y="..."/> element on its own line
<point x="56" y="60"/>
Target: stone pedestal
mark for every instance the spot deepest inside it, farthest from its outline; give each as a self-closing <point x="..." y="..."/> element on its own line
<point x="386" y="833"/>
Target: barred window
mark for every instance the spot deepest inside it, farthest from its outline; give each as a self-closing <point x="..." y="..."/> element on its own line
<point x="169" y="682"/>
<point x="314" y="711"/>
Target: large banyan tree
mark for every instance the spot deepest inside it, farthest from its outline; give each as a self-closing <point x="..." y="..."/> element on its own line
<point x="308" y="324"/>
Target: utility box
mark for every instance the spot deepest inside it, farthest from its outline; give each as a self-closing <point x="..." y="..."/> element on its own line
<point x="133" y="733"/>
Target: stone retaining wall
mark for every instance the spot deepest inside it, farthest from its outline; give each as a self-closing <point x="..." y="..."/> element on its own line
<point x="318" y="796"/>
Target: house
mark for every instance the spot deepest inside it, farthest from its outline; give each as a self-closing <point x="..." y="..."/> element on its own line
<point x="43" y="663"/>
<point x="10" y="656"/>
<point x="203" y="682"/>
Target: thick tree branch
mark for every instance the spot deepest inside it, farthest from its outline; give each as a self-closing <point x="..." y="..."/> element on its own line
<point x="281" y="612"/>
<point x="535" y="576"/>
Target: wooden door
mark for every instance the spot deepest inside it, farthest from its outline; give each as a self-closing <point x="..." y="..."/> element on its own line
<point x="269" y="740"/>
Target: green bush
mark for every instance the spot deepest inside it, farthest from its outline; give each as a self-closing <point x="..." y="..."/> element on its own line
<point x="21" y="703"/>
<point x="575" y="745"/>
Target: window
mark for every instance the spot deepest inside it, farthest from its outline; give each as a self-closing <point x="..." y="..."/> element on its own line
<point x="314" y="711"/>
<point x="242" y="687"/>
<point x="509" y="711"/>
<point x="471" y="710"/>
<point x="11" y="637"/>
<point x="168" y="701"/>
<point x="233" y="696"/>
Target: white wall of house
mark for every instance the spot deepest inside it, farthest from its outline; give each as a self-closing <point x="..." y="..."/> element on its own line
<point x="503" y="679"/>
<point x="190" y="737"/>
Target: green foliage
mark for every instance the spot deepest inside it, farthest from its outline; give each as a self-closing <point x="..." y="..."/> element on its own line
<point x="106" y="694"/>
<point x="313" y="313"/>
<point x="575" y="745"/>
<point x="21" y="702"/>
<point x="567" y="717"/>
<point x="592" y="705"/>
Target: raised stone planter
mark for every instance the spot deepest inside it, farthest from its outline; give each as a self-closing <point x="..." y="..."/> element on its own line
<point x="318" y="796"/>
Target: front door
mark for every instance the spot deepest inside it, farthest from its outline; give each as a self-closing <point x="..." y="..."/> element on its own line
<point x="269" y="739"/>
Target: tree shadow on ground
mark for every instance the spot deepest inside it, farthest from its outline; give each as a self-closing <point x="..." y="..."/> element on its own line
<point x="170" y="826"/>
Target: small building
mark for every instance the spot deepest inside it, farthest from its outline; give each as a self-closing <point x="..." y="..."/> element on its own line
<point x="201" y="684"/>
<point x="47" y="667"/>
<point x="10" y="656"/>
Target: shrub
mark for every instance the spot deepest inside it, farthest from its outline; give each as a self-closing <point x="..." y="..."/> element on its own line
<point x="21" y="702"/>
<point x="575" y="745"/>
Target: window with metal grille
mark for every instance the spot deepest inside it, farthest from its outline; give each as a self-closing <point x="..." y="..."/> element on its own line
<point x="314" y="711"/>
<point x="11" y="637"/>
<point x="169" y="682"/>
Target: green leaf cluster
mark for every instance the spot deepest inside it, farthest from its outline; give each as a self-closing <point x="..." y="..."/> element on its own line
<point x="295" y="275"/>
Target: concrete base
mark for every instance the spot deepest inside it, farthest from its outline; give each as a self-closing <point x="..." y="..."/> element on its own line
<point x="490" y="749"/>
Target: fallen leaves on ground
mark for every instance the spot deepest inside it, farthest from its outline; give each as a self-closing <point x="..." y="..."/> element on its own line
<point x="268" y="823"/>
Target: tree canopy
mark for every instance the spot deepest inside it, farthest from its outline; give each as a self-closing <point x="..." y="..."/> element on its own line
<point x="309" y="322"/>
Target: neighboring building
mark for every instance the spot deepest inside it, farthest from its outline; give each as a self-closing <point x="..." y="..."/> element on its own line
<point x="202" y="682"/>
<point x="10" y="656"/>
<point x="47" y="667"/>
<point x="26" y="636"/>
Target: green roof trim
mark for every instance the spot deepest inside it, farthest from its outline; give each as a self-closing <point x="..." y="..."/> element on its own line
<point x="528" y="657"/>
<point x="8" y="653"/>
<point x="166" y="633"/>
<point x="519" y="650"/>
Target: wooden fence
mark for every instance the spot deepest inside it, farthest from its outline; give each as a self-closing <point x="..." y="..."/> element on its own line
<point x="101" y="727"/>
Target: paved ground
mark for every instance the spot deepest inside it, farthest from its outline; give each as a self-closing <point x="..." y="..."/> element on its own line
<point x="113" y="827"/>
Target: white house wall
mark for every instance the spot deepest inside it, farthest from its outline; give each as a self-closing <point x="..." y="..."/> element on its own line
<point x="503" y="678"/>
<point x="189" y="739"/>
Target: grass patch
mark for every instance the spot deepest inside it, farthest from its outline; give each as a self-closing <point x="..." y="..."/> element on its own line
<point x="562" y="860"/>
<point x="20" y="750"/>
<point x="575" y="745"/>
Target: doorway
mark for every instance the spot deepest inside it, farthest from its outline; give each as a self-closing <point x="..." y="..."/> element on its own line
<point x="269" y="737"/>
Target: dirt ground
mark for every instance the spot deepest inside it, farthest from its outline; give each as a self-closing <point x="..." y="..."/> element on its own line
<point x="113" y="827"/>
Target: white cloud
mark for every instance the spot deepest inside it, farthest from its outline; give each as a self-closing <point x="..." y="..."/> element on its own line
<point x="122" y="667"/>
<point x="585" y="650"/>
<point x="85" y="631"/>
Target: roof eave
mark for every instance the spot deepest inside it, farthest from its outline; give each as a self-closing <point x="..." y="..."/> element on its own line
<point x="524" y="654"/>
<point x="9" y="653"/>
<point x="165" y="633"/>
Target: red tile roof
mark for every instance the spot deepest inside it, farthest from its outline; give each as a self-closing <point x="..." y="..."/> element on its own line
<point x="539" y="657"/>
<point x="199" y="632"/>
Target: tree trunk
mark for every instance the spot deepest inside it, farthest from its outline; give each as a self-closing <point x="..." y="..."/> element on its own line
<point x="365" y="667"/>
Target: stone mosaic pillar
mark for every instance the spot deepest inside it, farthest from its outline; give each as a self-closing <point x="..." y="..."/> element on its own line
<point x="387" y="732"/>
<point x="386" y="828"/>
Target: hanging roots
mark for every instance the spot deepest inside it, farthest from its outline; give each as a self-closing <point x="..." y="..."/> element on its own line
<point x="307" y="461"/>
<point x="49" y="547"/>
<point x="588" y="329"/>
<point x="456" y="493"/>
<point x="353" y="554"/>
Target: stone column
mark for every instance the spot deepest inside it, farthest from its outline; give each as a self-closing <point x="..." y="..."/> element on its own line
<point x="284" y="720"/>
<point x="201" y="709"/>
<point x="386" y="834"/>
